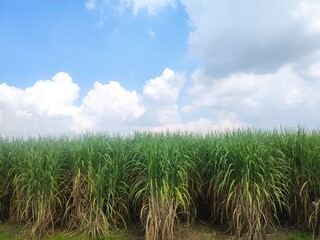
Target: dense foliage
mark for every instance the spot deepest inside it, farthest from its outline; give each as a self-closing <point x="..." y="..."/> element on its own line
<point x="247" y="181"/>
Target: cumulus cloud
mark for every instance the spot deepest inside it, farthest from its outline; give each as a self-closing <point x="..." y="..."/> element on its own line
<point x="238" y="100"/>
<point x="258" y="61"/>
<point x="252" y="36"/>
<point x="46" y="107"/>
<point x="160" y="96"/>
<point x="110" y="104"/>
<point x="49" y="106"/>
<point x="266" y="100"/>
<point x="54" y="96"/>
<point x="165" y="88"/>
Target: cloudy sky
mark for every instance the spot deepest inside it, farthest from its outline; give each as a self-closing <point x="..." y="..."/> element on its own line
<point x="126" y="65"/>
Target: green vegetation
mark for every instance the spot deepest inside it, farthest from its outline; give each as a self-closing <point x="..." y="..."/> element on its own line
<point x="95" y="185"/>
<point x="300" y="236"/>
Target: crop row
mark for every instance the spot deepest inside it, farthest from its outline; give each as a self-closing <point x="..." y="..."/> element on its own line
<point x="247" y="181"/>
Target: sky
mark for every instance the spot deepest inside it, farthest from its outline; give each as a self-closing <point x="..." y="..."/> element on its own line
<point x="119" y="66"/>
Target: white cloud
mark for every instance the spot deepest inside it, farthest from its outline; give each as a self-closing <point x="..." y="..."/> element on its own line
<point x="54" y="96"/>
<point x="314" y="70"/>
<point x="160" y="96"/>
<point x="9" y="94"/>
<point x="90" y="4"/>
<point x="308" y="11"/>
<point x="108" y="105"/>
<point x="251" y="36"/>
<point x="201" y="126"/>
<point x="152" y="6"/>
<point x="239" y="100"/>
<point x="258" y="60"/>
<point x="166" y="87"/>
<point x="267" y="100"/>
<point x="46" y="107"/>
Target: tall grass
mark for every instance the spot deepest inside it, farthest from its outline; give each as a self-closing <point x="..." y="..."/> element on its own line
<point x="247" y="181"/>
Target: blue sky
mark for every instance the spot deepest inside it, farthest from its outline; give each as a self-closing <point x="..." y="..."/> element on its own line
<point x="40" y="38"/>
<point x="124" y="65"/>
